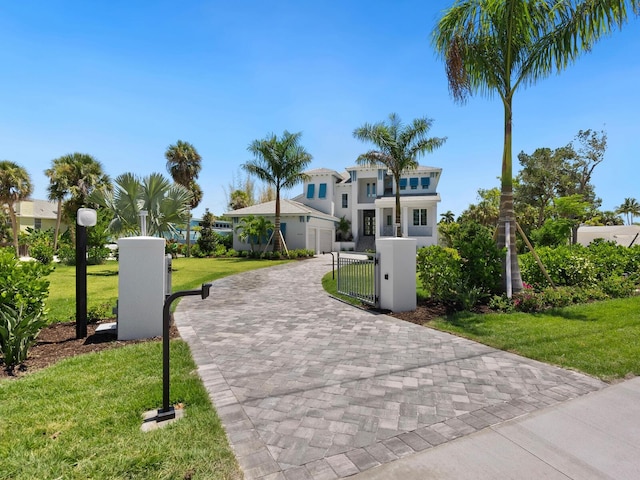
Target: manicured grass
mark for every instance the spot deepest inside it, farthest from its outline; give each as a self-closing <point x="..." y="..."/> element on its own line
<point x="600" y="338"/>
<point x="102" y="281"/>
<point x="331" y="287"/>
<point x="81" y="419"/>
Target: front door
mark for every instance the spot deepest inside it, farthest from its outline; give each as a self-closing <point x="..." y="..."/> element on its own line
<point x="369" y="221"/>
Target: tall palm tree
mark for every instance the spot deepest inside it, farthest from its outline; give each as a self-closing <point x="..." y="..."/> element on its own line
<point x="631" y="208"/>
<point x="399" y="147"/>
<point x="496" y="46"/>
<point x="280" y="162"/>
<point x="167" y="204"/>
<point x="184" y="164"/>
<point x="15" y="186"/>
<point x="78" y="175"/>
<point x="57" y="190"/>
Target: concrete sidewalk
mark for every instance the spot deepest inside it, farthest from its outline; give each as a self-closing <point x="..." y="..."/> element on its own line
<point x="596" y="436"/>
<point x="308" y="387"/>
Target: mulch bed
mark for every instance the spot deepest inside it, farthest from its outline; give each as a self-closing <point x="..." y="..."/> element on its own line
<point x="58" y="341"/>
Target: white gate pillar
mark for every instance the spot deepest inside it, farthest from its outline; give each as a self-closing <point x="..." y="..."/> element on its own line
<point x="397" y="273"/>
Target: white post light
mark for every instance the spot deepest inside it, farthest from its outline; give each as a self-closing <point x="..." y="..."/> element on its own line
<point x="143" y="222"/>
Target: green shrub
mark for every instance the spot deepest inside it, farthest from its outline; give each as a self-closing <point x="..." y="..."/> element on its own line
<point x="501" y="303"/>
<point x="67" y="254"/>
<point x="42" y="252"/>
<point x="220" y="251"/>
<point x="440" y="272"/>
<point x="18" y="332"/>
<point x="617" y="286"/>
<point x="95" y="313"/>
<point x="22" y="286"/>
<point x="481" y="258"/>
<point x="97" y="255"/>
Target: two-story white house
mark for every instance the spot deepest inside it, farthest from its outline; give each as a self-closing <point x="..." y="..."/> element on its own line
<point x="363" y="195"/>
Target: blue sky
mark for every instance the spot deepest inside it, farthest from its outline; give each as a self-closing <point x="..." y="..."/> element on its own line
<point x="123" y="80"/>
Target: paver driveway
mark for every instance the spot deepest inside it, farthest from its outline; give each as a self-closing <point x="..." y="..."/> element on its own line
<point x="308" y="387"/>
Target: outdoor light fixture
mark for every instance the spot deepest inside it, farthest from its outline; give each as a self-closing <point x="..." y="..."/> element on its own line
<point x="86" y="217"/>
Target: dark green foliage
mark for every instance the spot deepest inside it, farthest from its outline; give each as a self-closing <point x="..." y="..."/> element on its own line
<point x="22" y="286"/>
<point x="581" y="266"/>
<point x="95" y="313"/>
<point x="208" y="239"/>
<point x="440" y="271"/>
<point x="464" y="275"/>
<point x="18" y="332"/>
<point x="42" y="252"/>
<point x="67" y="254"/>
<point x="481" y="258"/>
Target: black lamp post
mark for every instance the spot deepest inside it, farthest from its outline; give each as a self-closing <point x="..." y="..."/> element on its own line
<point x="86" y="217"/>
<point x="167" y="412"/>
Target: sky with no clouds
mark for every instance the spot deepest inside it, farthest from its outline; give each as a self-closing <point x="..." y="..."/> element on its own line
<point x="123" y="80"/>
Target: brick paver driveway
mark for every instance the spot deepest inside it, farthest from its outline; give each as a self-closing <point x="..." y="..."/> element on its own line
<point x="308" y="387"/>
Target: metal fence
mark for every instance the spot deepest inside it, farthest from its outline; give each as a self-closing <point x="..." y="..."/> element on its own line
<point x="358" y="276"/>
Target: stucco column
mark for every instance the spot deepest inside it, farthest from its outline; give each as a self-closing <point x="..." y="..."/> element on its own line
<point x="378" y="224"/>
<point x="405" y="221"/>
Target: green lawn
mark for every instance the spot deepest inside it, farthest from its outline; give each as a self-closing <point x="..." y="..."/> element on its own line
<point x="102" y="281"/>
<point x="81" y="419"/>
<point x="601" y="338"/>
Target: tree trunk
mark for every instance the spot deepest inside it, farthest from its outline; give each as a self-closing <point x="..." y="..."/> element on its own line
<point x="398" y="225"/>
<point x="277" y="244"/>
<point x="57" y="229"/>
<point x="14" y="228"/>
<point x="507" y="214"/>
<point x="189" y="233"/>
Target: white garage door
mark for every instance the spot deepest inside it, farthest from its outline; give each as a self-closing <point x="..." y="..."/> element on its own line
<point x="311" y="239"/>
<point x="326" y="242"/>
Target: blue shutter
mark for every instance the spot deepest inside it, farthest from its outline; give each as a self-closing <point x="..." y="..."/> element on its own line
<point x="413" y="182"/>
<point x="310" y="190"/>
<point x="424" y="181"/>
<point x="403" y="183"/>
<point x="322" y="193"/>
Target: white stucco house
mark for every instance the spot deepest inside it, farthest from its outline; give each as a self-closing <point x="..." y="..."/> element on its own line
<point x="363" y="195"/>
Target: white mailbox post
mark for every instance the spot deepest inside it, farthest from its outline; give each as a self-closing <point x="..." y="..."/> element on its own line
<point x="141" y="287"/>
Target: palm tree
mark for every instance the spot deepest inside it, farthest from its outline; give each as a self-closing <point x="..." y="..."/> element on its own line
<point x="448" y="217"/>
<point x="399" y="146"/>
<point x="77" y="175"/>
<point x="15" y="186"/>
<point x="254" y="229"/>
<point x="167" y="204"/>
<point x="496" y="46"/>
<point x="184" y="164"/>
<point x="57" y="191"/>
<point x="280" y="162"/>
<point x="631" y="208"/>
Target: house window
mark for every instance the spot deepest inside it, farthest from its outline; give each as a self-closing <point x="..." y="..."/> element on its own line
<point x="403" y="184"/>
<point x="310" y="190"/>
<point x="424" y="181"/>
<point x="345" y="200"/>
<point x="419" y="217"/>
<point x="389" y="221"/>
<point x="371" y="190"/>
<point x="413" y="182"/>
<point x="37" y="223"/>
<point x="433" y="174"/>
<point x="322" y="192"/>
<point x="354" y="175"/>
<point x="235" y="219"/>
<point x="301" y="219"/>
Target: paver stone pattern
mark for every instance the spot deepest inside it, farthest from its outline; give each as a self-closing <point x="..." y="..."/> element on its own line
<point x="308" y="387"/>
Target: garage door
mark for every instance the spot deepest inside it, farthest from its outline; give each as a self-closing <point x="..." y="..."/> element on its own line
<point x="311" y="239"/>
<point x="326" y="240"/>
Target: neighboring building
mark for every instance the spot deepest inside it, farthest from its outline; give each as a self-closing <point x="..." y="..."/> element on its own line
<point x="363" y="195"/>
<point x="221" y="227"/>
<point x="624" y="235"/>
<point x="37" y="214"/>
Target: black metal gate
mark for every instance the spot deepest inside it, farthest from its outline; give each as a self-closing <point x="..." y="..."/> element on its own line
<point x="358" y="276"/>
